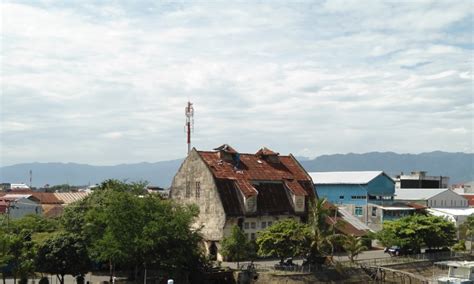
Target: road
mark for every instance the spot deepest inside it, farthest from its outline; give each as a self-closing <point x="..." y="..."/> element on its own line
<point x="371" y="254"/>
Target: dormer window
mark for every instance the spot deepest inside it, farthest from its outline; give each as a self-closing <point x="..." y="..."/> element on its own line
<point x="268" y="155"/>
<point x="227" y="153"/>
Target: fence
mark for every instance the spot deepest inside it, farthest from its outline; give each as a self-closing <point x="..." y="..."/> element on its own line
<point x="445" y="255"/>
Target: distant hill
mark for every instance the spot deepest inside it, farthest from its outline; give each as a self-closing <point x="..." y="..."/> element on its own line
<point x="458" y="166"/>
<point x="160" y="173"/>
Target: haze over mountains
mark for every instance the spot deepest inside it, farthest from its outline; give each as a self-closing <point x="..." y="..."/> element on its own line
<point x="458" y="166"/>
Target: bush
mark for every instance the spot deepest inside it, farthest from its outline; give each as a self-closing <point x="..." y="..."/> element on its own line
<point x="460" y="246"/>
<point x="44" y="280"/>
<point x="23" y="281"/>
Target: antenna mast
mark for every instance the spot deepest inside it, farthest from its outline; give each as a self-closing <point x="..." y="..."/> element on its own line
<point x="189" y="112"/>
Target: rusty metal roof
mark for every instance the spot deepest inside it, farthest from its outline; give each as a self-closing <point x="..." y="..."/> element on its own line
<point x="43" y="197"/>
<point x="250" y="175"/>
<point x="250" y="167"/>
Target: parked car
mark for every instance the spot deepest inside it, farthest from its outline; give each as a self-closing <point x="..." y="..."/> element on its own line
<point x="397" y="251"/>
<point x="287" y="263"/>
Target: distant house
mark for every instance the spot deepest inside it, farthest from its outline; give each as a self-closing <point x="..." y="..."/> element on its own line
<point x="252" y="191"/>
<point x="420" y="179"/>
<point x="16" y="206"/>
<point x="455" y="215"/>
<point x="52" y="204"/>
<point x="433" y="198"/>
<point x="463" y="188"/>
<point x="367" y="195"/>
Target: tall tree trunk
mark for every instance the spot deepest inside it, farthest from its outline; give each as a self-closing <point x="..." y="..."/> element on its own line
<point x="110" y="271"/>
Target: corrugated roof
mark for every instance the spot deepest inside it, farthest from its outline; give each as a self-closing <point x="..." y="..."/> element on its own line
<point x="356" y="177"/>
<point x="43" y="197"/>
<point x="70" y="197"/>
<point x="417" y="193"/>
<point x="251" y="168"/>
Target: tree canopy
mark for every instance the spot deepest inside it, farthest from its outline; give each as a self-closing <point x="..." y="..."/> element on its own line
<point x="63" y="254"/>
<point x="417" y="231"/>
<point x="283" y="239"/>
<point x="236" y="247"/>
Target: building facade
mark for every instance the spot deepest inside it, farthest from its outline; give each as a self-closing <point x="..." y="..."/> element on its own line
<point x="433" y="198"/>
<point x="420" y="180"/>
<point x="252" y="191"/>
<point x="367" y="195"/>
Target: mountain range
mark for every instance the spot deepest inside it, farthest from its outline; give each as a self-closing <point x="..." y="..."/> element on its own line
<point x="458" y="166"/>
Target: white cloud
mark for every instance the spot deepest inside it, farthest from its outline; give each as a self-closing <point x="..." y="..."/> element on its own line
<point x="300" y="77"/>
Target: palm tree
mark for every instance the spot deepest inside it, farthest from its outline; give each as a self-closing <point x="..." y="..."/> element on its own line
<point x="353" y="246"/>
<point x="323" y="237"/>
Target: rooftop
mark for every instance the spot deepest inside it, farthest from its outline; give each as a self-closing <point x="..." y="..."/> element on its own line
<point x="417" y="193"/>
<point x="355" y="177"/>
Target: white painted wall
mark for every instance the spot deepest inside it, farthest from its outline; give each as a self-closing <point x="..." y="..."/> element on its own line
<point x="447" y="199"/>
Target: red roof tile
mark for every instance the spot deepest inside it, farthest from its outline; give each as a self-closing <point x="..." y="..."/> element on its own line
<point x="252" y="168"/>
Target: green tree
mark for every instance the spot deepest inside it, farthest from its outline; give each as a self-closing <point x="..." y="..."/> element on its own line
<point x="236" y="247"/>
<point x="63" y="254"/>
<point x="284" y="239"/>
<point x="323" y="237"/>
<point x="466" y="230"/>
<point x="123" y="226"/>
<point x="18" y="244"/>
<point x="414" y="232"/>
<point x="353" y="246"/>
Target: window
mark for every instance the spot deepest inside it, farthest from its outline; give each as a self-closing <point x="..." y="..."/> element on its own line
<point x="246" y="225"/>
<point x="253" y="225"/>
<point x="252" y="236"/>
<point x="264" y="225"/>
<point x="198" y="189"/>
<point x="374" y="211"/>
<point x="247" y="236"/>
<point x="358" y="211"/>
<point x="358" y="197"/>
<point x="269" y="223"/>
<point x="341" y="196"/>
<point x="188" y="190"/>
<point x="434" y="202"/>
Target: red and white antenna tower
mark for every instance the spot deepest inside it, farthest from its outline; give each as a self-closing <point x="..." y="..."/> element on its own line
<point x="189" y="112"/>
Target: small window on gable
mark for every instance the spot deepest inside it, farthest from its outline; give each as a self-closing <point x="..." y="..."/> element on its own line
<point x="188" y="189"/>
<point x="198" y="189"/>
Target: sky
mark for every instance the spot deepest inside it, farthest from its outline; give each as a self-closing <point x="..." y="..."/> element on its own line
<point x="106" y="82"/>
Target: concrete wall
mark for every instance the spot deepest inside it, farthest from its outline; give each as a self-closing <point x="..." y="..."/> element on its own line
<point x="447" y="199"/>
<point x="194" y="174"/>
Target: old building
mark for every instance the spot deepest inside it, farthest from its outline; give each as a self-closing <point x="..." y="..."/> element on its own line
<point x="420" y="180"/>
<point x="252" y="191"/>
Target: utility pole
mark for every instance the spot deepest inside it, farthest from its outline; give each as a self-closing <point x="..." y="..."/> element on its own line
<point x="189" y="112"/>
